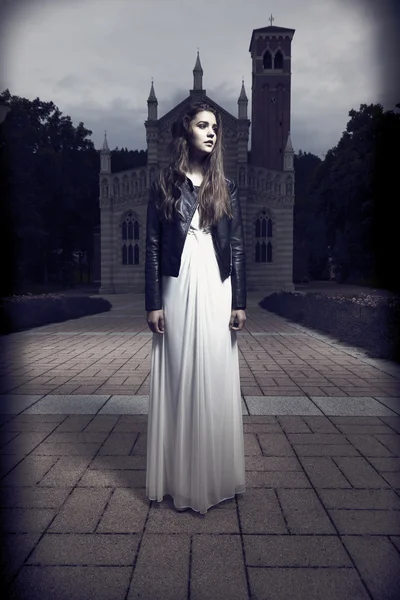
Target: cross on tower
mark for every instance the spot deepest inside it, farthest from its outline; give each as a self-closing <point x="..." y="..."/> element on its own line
<point x="271" y="19"/>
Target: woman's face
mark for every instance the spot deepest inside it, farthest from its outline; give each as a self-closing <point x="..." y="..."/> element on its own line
<point x="203" y="128"/>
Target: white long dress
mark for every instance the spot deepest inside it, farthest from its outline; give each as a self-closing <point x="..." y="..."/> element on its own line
<point x="195" y="446"/>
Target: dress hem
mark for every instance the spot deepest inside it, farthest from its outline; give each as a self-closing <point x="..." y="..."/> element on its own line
<point x="195" y="509"/>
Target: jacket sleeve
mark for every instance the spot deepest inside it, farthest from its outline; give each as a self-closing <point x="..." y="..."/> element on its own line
<point x="238" y="275"/>
<point x="153" y="276"/>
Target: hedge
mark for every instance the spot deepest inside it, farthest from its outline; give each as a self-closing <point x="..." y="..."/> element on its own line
<point x="371" y="322"/>
<point x="26" y="311"/>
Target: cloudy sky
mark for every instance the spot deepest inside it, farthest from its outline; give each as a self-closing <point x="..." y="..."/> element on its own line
<point x="95" y="59"/>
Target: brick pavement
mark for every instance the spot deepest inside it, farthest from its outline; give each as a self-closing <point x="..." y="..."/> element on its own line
<point x="320" y="515"/>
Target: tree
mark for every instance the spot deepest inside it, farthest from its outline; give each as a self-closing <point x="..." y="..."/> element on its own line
<point x="52" y="184"/>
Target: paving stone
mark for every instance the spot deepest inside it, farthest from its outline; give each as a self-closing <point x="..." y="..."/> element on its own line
<point x="165" y="579"/>
<point x="8" y="462"/>
<point x="351" y="405"/>
<point x="304" y="513"/>
<point x="29" y="471"/>
<point x="74" y="423"/>
<point x="274" y="479"/>
<point x="378" y="563"/>
<point x="360" y="473"/>
<point x="77" y="437"/>
<point x="126" y="512"/>
<point x="68" y="404"/>
<point x="81" y="511"/>
<point x="275" y="444"/>
<point x="281" y="405"/>
<point x="33" y="419"/>
<point x="262" y="428"/>
<point x="118" y="443"/>
<point x="21" y="427"/>
<point x="389" y="442"/>
<point x="14" y="549"/>
<point x="324" y="472"/>
<point x="325" y="450"/>
<point x="113" y="478"/>
<point x="295" y="551"/>
<point x="7" y="436"/>
<point x="366" y="522"/>
<point x="122" y="405"/>
<point x="272" y="463"/>
<point x="15" y="403"/>
<point x="66" y="472"/>
<point x="102" y="423"/>
<point x="139" y="447"/>
<point x="221" y="518"/>
<point x="25" y="520"/>
<point x="67" y="449"/>
<point x="360" y="499"/>
<point x="71" y="583"/>
<point x="294" y="424"/>
<point x="118" y="462"/>
<point x="260" y="512"/>
<point x="32" y="497"/>
<point x="209" y="577"/>
<point x="391" y="464"/>
<point x="23" y="442"/>
<point x="393" y="479"/>
<point x="317" y="438"/>
<point x="310" y="584"/>
<point x="392" y="403"/>
<point x="392" y="422"/>
<point x="80" y="549"/>
<point x="370" y="445"/>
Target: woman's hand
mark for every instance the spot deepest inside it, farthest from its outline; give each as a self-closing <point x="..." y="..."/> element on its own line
<point x="155" y="320"/>
<point x="237" y="317"/>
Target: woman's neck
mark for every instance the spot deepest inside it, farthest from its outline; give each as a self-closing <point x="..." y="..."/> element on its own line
<point x="195" y="172"/>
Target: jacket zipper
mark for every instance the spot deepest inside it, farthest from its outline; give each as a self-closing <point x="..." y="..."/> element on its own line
<point x="230" y="266"/>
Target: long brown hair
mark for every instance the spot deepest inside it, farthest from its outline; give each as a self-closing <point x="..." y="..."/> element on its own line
<point x="213" y="195"/>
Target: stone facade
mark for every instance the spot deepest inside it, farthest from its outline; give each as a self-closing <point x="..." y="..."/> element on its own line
<point x="265" y="182"/>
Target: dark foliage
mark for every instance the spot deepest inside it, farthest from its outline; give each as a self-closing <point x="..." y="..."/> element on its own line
<point x="345" y="216"/>
<point x="24" y="312"/>
<point x="371" y="322"/>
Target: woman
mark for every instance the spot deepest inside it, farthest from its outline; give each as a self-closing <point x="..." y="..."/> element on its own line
<point x="195" y="303"/>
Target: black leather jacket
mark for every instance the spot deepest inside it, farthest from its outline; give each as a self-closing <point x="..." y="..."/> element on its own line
<point x="165" y="241"/>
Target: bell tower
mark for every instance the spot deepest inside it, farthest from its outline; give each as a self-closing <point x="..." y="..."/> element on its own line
<point x="270" y="49"/>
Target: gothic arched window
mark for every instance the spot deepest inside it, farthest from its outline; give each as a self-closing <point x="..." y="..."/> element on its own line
<point x="278" y="60"/>
<point x="104" y="188"/>
<point x="125" y="185"/>
<point x="142" y="180"/>
<point x="115" y="186"/>
<point x="277" y="186"/>
<point x="289" y="186"/>
<point x="130" y="239"/>
<point x="267" y="60"/>
<point x="263" y="237"/>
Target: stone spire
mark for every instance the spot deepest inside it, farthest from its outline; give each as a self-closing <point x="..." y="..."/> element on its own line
<point x="105" y="157"/>
<point x="242" y="102"/>
<point x="152" y="104"/>
<point x="105" y="144"/>
<point x="197" y="74"/>
<point x="288" y="155"/>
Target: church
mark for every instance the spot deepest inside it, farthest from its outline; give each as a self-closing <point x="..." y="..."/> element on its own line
<point x="265" y="175"/>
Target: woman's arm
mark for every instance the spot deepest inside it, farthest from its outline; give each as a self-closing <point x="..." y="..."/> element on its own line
<point x="153" y="277"/>
<point x="238" y="275"/>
